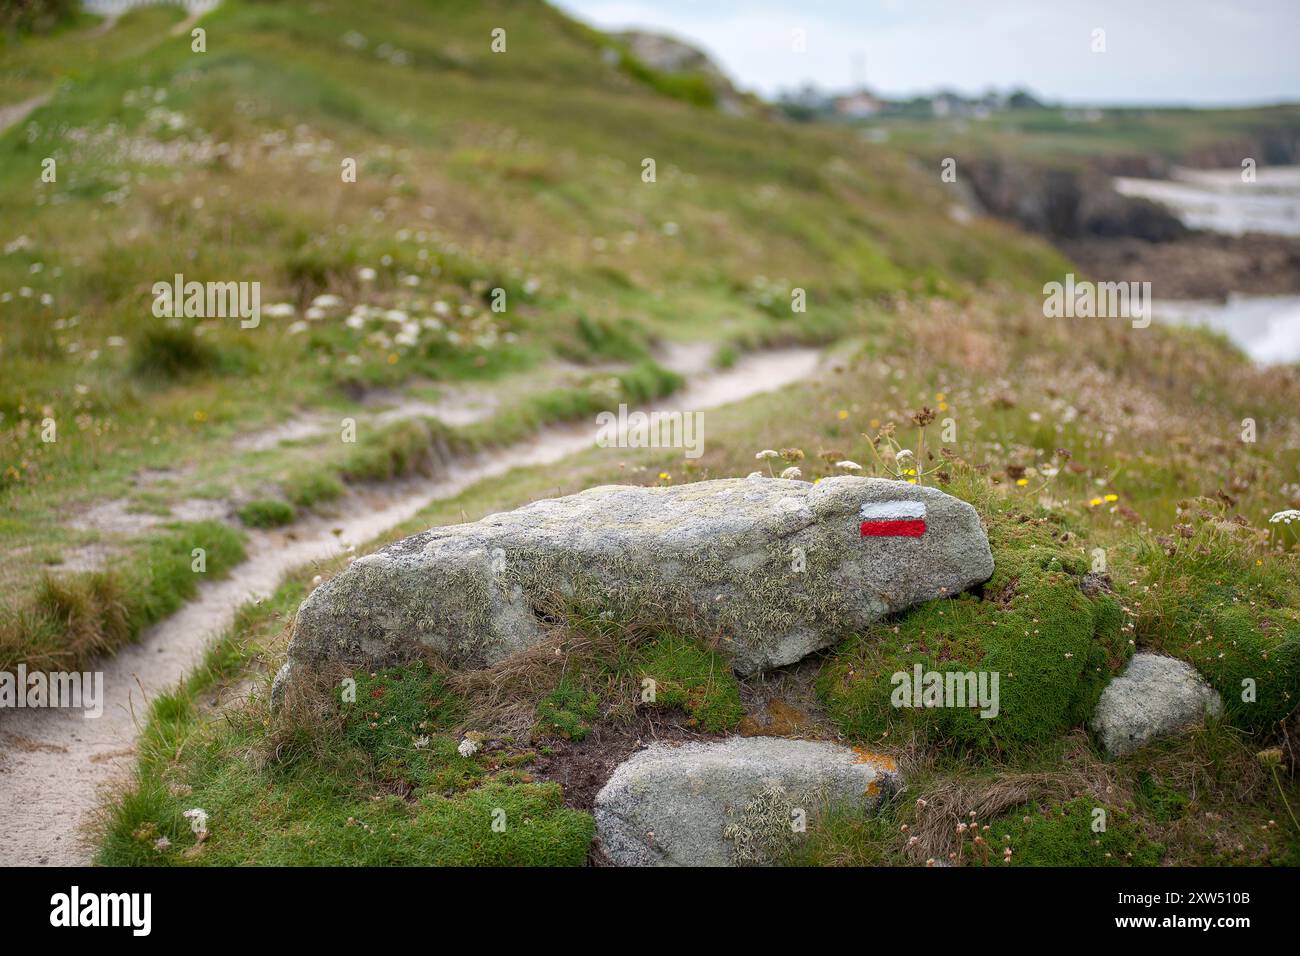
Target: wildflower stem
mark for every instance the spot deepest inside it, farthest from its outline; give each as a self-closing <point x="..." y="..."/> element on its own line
<point x="1286" y="803"/>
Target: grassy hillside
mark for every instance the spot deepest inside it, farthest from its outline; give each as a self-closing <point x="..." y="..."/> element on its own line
<point x="1125" y="507"/>
<point x="476" y="171"/>
<point x="1054" y="478"/>
<point x="1073" y="138"/>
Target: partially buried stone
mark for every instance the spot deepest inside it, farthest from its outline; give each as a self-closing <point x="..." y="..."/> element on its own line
<point x="768" y="569"/>
<point x="738" y="801"/>
<point x="1154" y="697"/>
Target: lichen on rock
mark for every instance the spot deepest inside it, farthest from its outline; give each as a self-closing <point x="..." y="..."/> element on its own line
<point x="767" y="569"/>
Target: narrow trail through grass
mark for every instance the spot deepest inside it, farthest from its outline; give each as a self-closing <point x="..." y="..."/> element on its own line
<point x="59" y="761"/>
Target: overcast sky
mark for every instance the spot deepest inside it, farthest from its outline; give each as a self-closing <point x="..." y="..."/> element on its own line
<point x="1157" y="51"/>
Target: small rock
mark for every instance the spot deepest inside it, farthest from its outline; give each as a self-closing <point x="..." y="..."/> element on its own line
<point x="1154" y="697"/>
<point x="738" y="801"/>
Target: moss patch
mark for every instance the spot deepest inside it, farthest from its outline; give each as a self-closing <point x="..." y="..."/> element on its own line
<point x="1052" y="643"/>
<point x="1063" y="835"/>
<point x="567" y="711"/>
<point x="1229" y="609"/>
<point x="693" y="679"/>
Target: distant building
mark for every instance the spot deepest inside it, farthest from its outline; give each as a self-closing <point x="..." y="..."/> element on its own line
<point x="857" y="105"/>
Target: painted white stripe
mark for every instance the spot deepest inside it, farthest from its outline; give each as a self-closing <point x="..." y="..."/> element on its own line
<point x="893" y="511"/>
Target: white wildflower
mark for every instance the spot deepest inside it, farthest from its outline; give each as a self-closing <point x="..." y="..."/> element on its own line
<point x="847" y="465"/>
<point x="767" y="453"/>
<point x="792" y="473"/>
<point x="1285" y="517"/>
<point x="467" y="748"/>
<point x="198" y="822"/>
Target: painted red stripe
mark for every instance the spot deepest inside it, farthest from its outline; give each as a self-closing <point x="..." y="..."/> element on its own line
<point x="911" y="528"/>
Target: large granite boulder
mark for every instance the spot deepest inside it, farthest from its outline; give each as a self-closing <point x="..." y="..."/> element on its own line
<point x="1154" y="697"/>
<point x="768" y="568"/>
<point x="738" y="801"/>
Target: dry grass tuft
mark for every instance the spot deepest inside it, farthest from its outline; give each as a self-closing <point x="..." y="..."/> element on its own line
<point x="952" y="799"/>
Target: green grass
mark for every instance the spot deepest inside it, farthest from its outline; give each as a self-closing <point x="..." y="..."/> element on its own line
<point x="74" y="617"/>
<point x="267" y="513"/>
<point x="376" y="780"/>
<point x="486" y="195"/>
<point x="1211" y="600"/>
<point x="567" y="712"/>
<point x="1078" y="833"/>
<point x="694" y="680"/>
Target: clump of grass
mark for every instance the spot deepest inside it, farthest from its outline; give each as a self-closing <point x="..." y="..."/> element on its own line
<point x="1216" y="598"/>
<point x="598" y="338"/>
<point x="643" y="382"/>
<point x="165" y="354"/>
<point x="74" y="617"/>
<point x="693" y="679"/>
<point x="311" y="486"/>
<point x="1059" y="834"/>
<point x="267" y="513"/>
<point x="409" y="447"/>
<point x="567" y="711"/>
<point x="846" y="836"/>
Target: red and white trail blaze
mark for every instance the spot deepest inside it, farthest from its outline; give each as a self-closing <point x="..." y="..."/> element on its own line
<point x="892" y="519"/>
